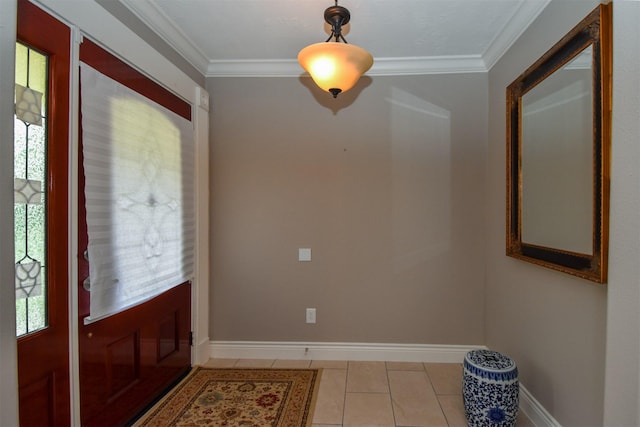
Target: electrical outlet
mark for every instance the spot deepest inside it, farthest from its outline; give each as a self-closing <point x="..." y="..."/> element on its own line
<point x="311" y="315"/>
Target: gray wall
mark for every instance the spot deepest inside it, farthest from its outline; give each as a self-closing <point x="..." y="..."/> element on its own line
<point x="622" y="381"/>
<point x="8" y="358"/>
<point x="551" y="323"/>
<point x="385" y="184"/>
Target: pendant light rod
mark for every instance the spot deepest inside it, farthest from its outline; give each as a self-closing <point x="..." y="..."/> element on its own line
<point x="337" y="16"/>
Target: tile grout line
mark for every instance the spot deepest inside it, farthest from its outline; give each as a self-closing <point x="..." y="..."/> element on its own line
<point x="344" y="398"/>
<point x="393" y="409"/>
<point x="436" y="394"/>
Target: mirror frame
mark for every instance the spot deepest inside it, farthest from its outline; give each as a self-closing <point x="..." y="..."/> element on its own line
<point x="594" y="30"/>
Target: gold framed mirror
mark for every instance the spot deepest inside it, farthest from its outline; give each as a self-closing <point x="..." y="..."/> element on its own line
<point x="558" y="149"/>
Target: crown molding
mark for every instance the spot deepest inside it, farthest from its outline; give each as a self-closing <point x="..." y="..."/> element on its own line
<point x="381" y="67"/>
<point x="164" y="27"/>
<point x="516" y="25"/>
<point x="160" y="23"/>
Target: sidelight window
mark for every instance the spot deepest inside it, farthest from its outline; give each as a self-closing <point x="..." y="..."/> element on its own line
<point x="30" y="184"/>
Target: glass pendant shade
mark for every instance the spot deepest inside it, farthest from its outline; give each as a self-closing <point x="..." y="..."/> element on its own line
<point x="335" y="67"/>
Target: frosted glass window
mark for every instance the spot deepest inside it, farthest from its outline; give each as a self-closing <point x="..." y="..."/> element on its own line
<point x="30" y="206"/>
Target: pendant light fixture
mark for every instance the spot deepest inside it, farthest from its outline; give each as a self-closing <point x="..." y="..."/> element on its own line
<point x="334" y="66"/>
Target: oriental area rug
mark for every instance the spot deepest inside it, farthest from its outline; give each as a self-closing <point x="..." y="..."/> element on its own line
<point x="238" y="398"/>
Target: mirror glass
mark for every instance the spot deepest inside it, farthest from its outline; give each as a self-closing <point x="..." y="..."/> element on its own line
<point x="557" y="159"/>
<point x="558" y="144"/>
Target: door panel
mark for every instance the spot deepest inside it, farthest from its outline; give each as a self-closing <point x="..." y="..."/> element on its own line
<point x="129" y="359"/>
<point x="39" y="393"/>
<point x="43" y="356"/>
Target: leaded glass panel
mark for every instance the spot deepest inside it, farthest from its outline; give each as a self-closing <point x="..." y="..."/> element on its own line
<point x="30" y="166"/>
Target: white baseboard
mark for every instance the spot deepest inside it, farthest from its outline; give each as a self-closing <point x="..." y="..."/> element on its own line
<point x="367" y="352"/>
<point x="535" y="411"/>
<point x="339" y="351"/>
<point x="201" y="352"/>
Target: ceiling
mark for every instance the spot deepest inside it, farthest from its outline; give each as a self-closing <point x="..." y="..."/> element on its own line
<point x="263" y="37"/>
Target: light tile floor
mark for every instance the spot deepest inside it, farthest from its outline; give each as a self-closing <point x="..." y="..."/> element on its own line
<point x="385" y="394"/>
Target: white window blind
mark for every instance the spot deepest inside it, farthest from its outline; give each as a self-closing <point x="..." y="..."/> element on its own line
<point x="138" y="165"/>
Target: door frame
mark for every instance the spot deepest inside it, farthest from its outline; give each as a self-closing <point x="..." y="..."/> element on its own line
<point x="91" y="18"/>
<point x="50" y="377"/>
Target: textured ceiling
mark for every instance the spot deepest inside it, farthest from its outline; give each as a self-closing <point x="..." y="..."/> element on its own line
<point x="263" y="37"/>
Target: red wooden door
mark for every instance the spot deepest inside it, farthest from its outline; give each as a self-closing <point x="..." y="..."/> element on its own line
<point x="43" y="355"/>
<point x="128" y="359"/>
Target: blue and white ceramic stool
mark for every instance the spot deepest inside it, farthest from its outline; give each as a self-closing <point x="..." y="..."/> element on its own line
<point x="490" y="389"/>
